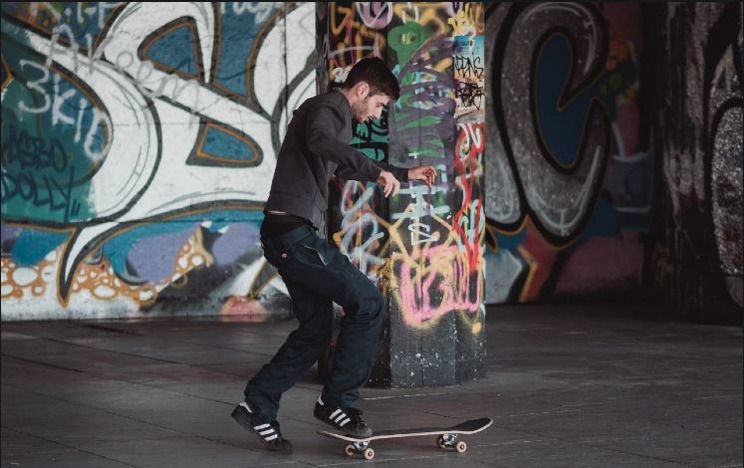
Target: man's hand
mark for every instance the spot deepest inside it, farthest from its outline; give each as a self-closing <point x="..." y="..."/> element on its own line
<point x="425" y="173"/>
<point x="390" y="185"/>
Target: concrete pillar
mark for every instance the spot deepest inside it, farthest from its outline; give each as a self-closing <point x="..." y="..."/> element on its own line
<point x="424" y="247"/>
<point x="697" y="262"/>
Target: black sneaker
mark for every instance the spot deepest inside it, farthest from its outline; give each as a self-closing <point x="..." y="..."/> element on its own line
<point x="346" y="420"/>
<point x="267" y="431"/>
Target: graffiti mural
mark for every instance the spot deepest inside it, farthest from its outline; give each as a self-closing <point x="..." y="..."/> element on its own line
<point x="698" y="255"/>
<point x="568" y="172"/>
<point x="423" y="247"/>
<point x="138" y="147"/>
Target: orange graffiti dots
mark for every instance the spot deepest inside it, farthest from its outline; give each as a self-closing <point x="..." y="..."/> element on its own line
<point x="191" y="256"/>
<point x="23" y="281"/>
<point x="101" y="282"/>
<point x="98" y="279"/>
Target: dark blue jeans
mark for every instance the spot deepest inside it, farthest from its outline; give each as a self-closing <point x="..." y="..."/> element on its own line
<point x="317" y="274"/>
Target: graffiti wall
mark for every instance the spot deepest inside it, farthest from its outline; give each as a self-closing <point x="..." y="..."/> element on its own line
<point x="138" y="145"/>
<point x="425" y="246"/>
<point x="698" y="257"/>
<point x="568" y="170"/>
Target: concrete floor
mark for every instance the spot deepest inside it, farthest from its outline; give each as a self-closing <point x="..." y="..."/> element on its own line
<point x="589" y="385"/>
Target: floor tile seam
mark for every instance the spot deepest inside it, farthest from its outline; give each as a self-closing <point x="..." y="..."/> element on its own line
<point x="195" y="366"/>
<point x="587" y="444"/>
<point x="116" y="351"/>
<point x="88" y="347"/>
<point x="76" y="449"/>
<point x="167" y="361"/>
<point x="41" y="363"/>
<point x="178" y="434"/>
<point x="226" y="403"/>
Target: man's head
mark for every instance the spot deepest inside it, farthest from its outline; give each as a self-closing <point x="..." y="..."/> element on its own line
<point x="369" y="87"/>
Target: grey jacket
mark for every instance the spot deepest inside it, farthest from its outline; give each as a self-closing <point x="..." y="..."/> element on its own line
<point x="315" y="148"/>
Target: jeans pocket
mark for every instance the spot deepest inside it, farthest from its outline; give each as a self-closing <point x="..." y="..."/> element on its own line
<point x="275" y="256"/>
<point x="315" y="253"/>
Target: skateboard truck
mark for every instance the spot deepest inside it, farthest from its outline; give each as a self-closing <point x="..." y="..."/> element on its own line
<point x="449" y="441"/>
<point x="360" y="448"/>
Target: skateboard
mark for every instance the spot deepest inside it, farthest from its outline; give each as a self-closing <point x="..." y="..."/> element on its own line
<point x="446" y="437"/>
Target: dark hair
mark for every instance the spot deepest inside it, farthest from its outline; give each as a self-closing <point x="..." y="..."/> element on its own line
<point x="376" y="74"/>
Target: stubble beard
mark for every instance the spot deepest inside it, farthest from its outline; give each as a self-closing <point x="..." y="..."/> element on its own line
<point x="359" y="109"/>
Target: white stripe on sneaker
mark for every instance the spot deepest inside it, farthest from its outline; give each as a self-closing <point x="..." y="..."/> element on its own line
<point x="267" y="432"/>
<point x="340" y="417"/>
<point x="345" y="422"/>
<point x="262" y="426"/>
<point x="333" y="415"/>
<point x="269" y="439"/>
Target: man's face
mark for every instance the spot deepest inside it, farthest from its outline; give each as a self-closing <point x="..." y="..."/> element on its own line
<point x="370" y="107"/>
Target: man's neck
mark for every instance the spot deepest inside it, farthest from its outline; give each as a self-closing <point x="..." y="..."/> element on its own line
<point x="348" y="94"/>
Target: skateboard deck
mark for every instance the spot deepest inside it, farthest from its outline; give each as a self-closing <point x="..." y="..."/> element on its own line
<point x="446" y="436"/>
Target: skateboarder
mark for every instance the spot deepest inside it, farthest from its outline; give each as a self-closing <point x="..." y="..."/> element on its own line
<point x="316" y="273"/>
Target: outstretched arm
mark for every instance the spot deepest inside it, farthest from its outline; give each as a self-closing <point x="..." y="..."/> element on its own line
<point x="427" y="174"/>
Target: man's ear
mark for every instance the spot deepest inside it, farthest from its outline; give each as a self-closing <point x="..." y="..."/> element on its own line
<point x="363" y="89"/>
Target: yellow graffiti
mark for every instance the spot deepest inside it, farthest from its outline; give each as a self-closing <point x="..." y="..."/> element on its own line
<point x="430" y="15"/>
<point x="434" y="278"/>
<point x="352" y="40"/>
<point x="469" y="20"/>
<point x="461" y="24"/>
<point x="192" y="255"/>
<point x="98" y="279"/>
<point x="8" y="74"/>
<point x="24" y="281"/>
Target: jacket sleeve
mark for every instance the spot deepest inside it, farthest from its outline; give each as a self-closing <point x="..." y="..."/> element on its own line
<point x="400" y="173"/>
<point x="323" y="127"/>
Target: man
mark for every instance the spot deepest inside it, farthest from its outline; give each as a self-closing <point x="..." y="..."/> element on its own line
<point x="316" y="273"/>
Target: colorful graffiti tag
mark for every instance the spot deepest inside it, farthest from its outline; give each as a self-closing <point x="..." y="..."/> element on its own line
<point x="138" y="146"/>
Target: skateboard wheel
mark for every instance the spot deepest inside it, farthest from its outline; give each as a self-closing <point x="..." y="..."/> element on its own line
<point x="349" y="450"/>
<point x="369" y="454"/>
<point x="440" y="442"/>
<point x="461" y="446"/>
